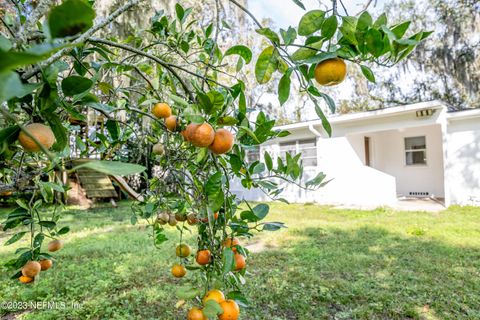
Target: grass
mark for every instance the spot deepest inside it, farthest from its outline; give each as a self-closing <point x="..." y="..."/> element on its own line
<point x="329" y="264"/>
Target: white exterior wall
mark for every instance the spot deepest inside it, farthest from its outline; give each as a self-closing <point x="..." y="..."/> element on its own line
<point x="389" y="156"/>
<point x="463" y="161"/>
<point x="353" y="183"/>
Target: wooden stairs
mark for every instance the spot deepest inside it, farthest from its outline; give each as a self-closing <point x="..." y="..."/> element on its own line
<point x="95" y="184"/>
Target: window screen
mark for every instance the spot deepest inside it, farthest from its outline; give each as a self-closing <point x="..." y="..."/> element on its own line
<point x="415" y="151"/>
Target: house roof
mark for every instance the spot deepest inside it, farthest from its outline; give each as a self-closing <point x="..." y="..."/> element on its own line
<point x="378" y="113"/>
<point x="463" y="114"/>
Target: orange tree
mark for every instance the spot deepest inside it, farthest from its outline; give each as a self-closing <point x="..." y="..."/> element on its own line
<point x="177" y="74"/>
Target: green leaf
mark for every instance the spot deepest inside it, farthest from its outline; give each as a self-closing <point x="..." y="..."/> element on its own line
<point x="305" y="53"/>
<point x="273" y="226"/>
<point x="270" y="34"/>
<point x="11" y="60"/>
<point x="47" y="224"/>
<point x="113" y="129"/>
<point x="322" y="56"/>
<point x="288" y="36"/>
<point x="5" y="43"/>
<point x="284" y="88"/>
<point x="227" y="121"/>
<point x="364" y="21"/>
<point x="217" y="99"/>
<point x="8" y="136"/>
<point x="180" y="11"/>
<point x="329" y="27"/>
<point x="300" y="4"/>
<point x="311" y="22"/>
<point x="367" y="72"/>
<point x="15" y="238"/>
<point x="348" y="28"/>
<point x="64" y="230"/>
<point x="70" y="18"/>
<point x="114" y="168"/>
<point x="242" y="51"/>
<point x="228" y="260"/>
<point x="266" y="65"/>
<point x="187" y="293"/>
<point x="75" y="85"/>
<point x="381" y="21"/>
<point x="268" y="160"/>
<point x="261" y="210"/>
<point x="325" y="123"/>
<point x="317" y="180"/>
<point x="374" y="42"/>
<point x="211" y="309"/>
<point x="400" y="29"/>
<point x="61" y="139"/>
<point x="239" y="298"/>
<point x="330" y="102"/>
<point x="178" y="100"/>
<point x="11" y="86"/>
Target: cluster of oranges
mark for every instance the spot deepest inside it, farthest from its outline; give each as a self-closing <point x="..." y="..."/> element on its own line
<point x="231" y="310"/>
<point x="31" y="269"/>
<point x="200" y="135"/>
<point x="204" y="257"/>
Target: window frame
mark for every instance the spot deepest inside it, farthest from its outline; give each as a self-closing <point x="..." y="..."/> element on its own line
<point x="406" y="151"/>
<point x="297" y="143"/>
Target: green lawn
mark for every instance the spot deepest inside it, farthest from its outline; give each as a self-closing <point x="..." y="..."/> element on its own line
<point x="329" y="264"/>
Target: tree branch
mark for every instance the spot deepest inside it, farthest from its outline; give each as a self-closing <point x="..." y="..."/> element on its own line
<point x="41" y="9"/>
<point x="82" y="38"/>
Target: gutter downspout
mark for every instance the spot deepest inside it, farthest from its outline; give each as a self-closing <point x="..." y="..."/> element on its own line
<point x="313" y="130"/>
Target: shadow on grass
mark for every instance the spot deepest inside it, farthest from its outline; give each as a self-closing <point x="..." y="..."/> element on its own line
<point x="366" y="273"/>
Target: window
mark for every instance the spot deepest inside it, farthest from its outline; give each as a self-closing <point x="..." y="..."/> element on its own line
<point x="416" y="151"/>
<point x="308" y="149"/>
<point x="253" y="154"/>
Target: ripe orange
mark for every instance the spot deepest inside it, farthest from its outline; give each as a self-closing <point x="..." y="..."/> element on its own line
<point x="41" y="132"/>
<point x="31" y="269"/>
<point x="161" y="110"/>
<point x="330" y="72"/>
<point x="231" y="243"/>
<point x="171" y="123"/>
<point x="222" y="142"/>
<point x="214" y="294"/>
<point x="55" y="245"/>
<point x="202" y="136"/>
<point x="239" y="261"/>
<point x="190" y="130"/>
<point x="46" y="264"/>
<point x="178" y="271"/>
<point x="184" y="134"/>
<point x="196" y="314"/>
<point x="231" y="310"/>
<point x="203" y="257"/>
<point x="183" y="250"/>
<point x="24" y="279"/>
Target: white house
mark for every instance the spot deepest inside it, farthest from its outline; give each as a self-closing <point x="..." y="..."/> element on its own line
<point x="375" y="157"/>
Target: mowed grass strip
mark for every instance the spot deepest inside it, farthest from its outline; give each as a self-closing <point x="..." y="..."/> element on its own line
<point x="328" y="264"/>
